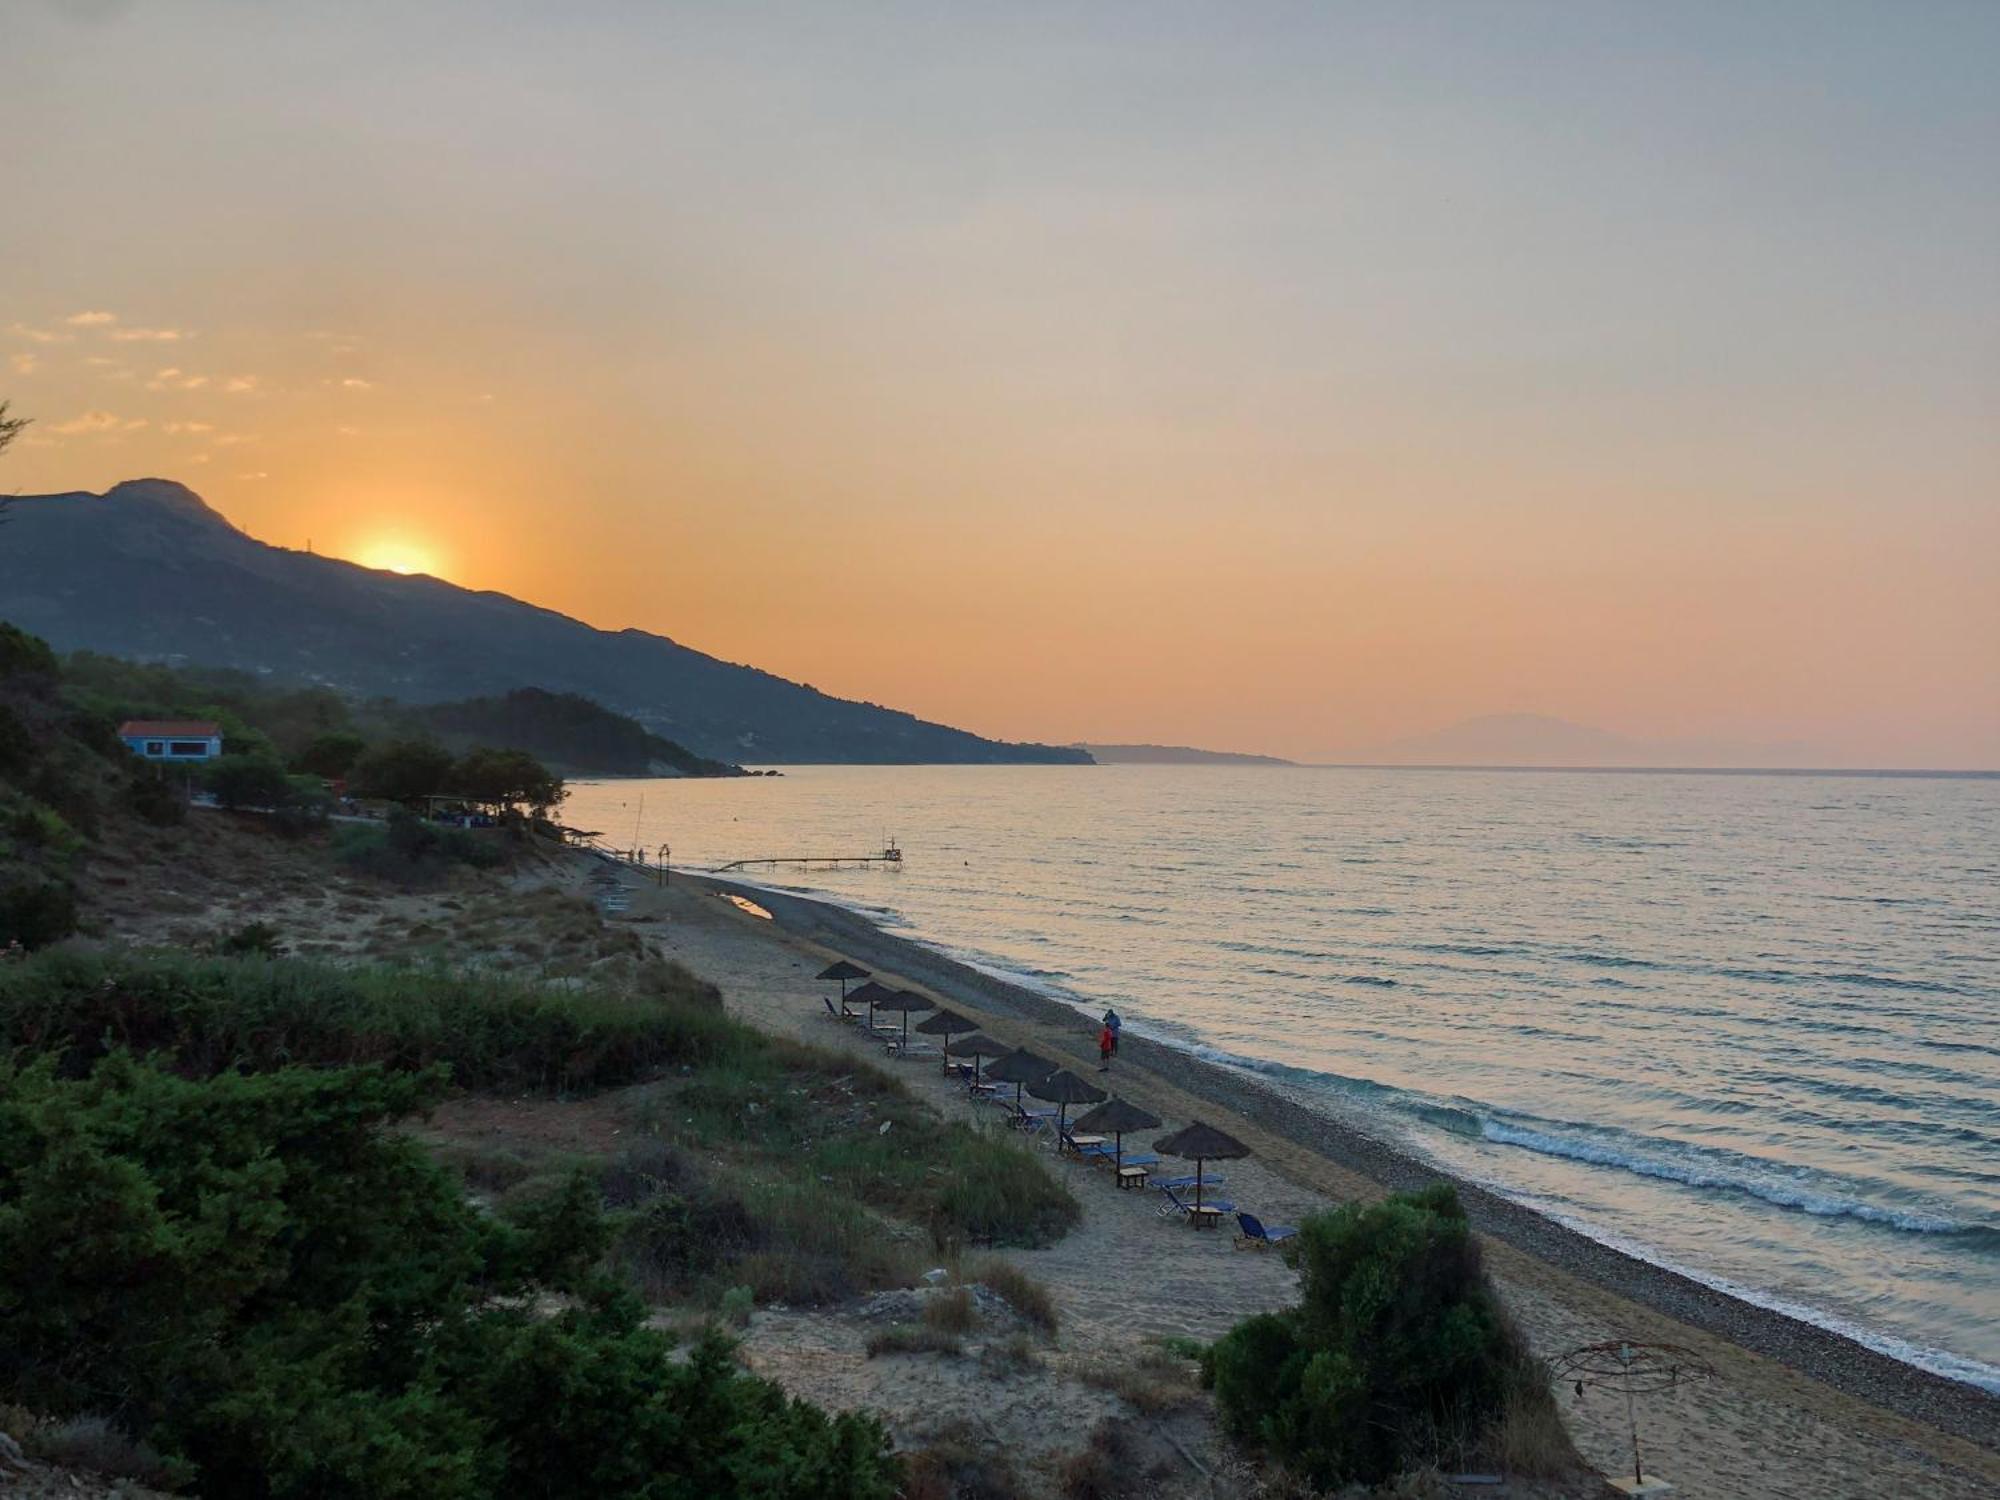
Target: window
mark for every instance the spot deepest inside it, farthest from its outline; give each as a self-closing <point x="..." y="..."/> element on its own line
<point x="188" y="747"/>
<point x="156" y="747"/>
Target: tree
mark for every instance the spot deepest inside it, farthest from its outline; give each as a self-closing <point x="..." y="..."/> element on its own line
<point x="404" y="771"/>
<point x="331" y="755"/>
<point x="249" y="781"/>
<point x="10" y="427"/>
<point x="507" y="779"/>
<point x="1397" y="1351"/>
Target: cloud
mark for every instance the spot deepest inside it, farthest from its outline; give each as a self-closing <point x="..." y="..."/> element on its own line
<point x="90" y="421"/>
<point x="238" y="385"/>
<point x="232" y="439"/>
<point x="99" y="423"/>
<point x="348" y="431"/>
<point x="356" y="383"/>
<point x="254" y="474"/>
<point x="200" y="458"/>
<point x="173" y="378"/>
<point x="40" y="335"/>
<point x="91" y="319"/>
<point x="148" y="335"/>
<point x="188" y="427"/>
<point x="24" y="364"/>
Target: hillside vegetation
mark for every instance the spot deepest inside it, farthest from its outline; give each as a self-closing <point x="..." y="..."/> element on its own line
<point x="210" y="1243"/>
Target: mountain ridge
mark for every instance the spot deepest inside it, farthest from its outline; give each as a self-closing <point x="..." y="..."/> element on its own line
<point x="150" y="570"/>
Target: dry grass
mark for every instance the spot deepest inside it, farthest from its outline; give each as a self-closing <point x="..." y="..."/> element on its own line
<point x="957" y="1464"/>
<point x="1152" y="1382"/>
<point x="1106" y="1468"/>
<point x="1017" y="1356"/>
<point x="1528" y="1438"/>
<point x="951" y="1311"/>
<point x="1018" y="1290"/>
<point x="913" y="1338"/>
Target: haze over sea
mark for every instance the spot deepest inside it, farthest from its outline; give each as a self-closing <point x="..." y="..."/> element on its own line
<point x="1744" y="1025"/>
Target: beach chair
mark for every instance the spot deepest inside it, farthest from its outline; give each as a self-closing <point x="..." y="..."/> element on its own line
<point x="838" y="1012"/>
<point x="1260" y="1236"/>
<point x="1177" y="1207"/>
<point x="907" y="1050"/>
<point x="1180" y="1184"/>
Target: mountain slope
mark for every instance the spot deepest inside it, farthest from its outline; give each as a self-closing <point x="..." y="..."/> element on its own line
<point x="1175" y="755"/>
<point x="148" y="570"/>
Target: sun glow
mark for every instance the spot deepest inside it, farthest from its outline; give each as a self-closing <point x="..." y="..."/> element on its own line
<point x="397" y="555"/>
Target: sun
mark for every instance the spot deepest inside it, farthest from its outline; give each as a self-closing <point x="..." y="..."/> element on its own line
<point x="397" y="555"/>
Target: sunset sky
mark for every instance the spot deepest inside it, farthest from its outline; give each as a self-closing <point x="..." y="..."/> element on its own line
<point x="1282" y="378"/>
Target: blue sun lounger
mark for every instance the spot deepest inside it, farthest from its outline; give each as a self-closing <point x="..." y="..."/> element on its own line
<point x="1176" y="1208"/>
<point x="1262" y="1236"/>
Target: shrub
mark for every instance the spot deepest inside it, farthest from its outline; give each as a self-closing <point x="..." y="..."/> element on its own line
<point x="155" y="798"/>
<point x="24" y="655"/>
<point x="248" y="781"/>
<point x="913" y="1338"/>
<point x="35" y="913"/>
<point x="259" y="939"/>
<point x="1018" y="1290"/>
<point x="1397" y="1353"/>
<point x="951" y="1311"/>
<point x="284" y="1299"/>
<point x="215" y="1014"/>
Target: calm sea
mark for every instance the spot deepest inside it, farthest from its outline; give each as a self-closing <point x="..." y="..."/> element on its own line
<point x="1747" y="1026"/>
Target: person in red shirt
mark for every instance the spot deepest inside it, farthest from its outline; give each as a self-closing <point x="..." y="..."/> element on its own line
<point x="1107" y="1043"/>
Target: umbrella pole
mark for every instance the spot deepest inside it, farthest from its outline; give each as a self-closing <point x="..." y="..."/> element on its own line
<point x="1197" y="1182"/>
<point x="1118" y="1150"/>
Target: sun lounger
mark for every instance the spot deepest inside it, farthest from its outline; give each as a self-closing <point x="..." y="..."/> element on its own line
<point x="1177" y="1207"/>
<point x="911" y="1049"/>
<point x="839" y="1012"/>
<point x="1261" y="1236"/>
<point x="1209" y="1180"/>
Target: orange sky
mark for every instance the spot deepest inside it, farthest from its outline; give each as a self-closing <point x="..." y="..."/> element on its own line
<point x="1288" y="384"/>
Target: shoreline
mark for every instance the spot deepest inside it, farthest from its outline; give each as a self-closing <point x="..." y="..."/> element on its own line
<point x="1953" y="1408"/>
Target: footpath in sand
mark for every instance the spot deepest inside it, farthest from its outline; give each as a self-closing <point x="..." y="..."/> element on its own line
<point x="1759" y="1430"/>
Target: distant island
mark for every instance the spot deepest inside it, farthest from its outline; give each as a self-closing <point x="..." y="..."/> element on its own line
<point x="148" y="571"/>
<point x="1175" y="755"/>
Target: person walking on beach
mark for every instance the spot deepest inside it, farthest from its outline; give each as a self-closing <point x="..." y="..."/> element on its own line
<point x="1107" y="1043"/>
<point x="1117" y="1028"/>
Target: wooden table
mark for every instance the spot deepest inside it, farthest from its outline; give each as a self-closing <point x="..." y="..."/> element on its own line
<point x="1205" y="1217"/>
<point x="1078" y="1142"/>
<point x="1131" y="1177"/>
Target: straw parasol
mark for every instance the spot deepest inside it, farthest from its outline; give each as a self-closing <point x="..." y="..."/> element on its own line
<point x="871" y="995"/>
<point x="906" y="1001"/>
<point x="1117" y="1116"/>
<point x="1062" y="1089"/>
<point x="1201" y="1143"/>
<point x="1018" y="1068"/>
<point x="842" y="970"/>
<point x="947" y="1024"/>
<point x="976" y="1046"/>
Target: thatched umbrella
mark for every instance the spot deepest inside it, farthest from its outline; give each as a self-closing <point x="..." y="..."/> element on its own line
<point x="947" y="1024"/>
<point x="843" y="971"/>
<point x="1117" y="1116"/>
<point x="976" y="1047"/>
<point x="1062" y="1089"/>
<point x="1018" y="1068"/>
<point x="1201" y="1143"/>
<point x="871" y="995"/>
<point x="906" y="1001"/>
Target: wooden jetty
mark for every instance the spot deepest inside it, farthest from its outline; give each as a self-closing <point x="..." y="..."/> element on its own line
<point x="890" y="855"/>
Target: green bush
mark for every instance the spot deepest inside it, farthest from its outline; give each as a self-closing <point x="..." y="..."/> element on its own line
<point x="247" y="781"/>
<point x="411" y="851"/>
<point x="1398" y="1354"/>
<point x="217" y="1014"/>
<point x="156" y="798"/>
<point x="35" y="913"/>
<point x="285" y="1299"/>
<point x="24" y="655"/>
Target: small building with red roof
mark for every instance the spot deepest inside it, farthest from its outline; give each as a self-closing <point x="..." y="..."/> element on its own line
<point x="172" y="739"/>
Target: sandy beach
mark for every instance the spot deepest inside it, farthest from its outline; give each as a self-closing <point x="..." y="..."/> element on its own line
<point x="1795" y="1411"/>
